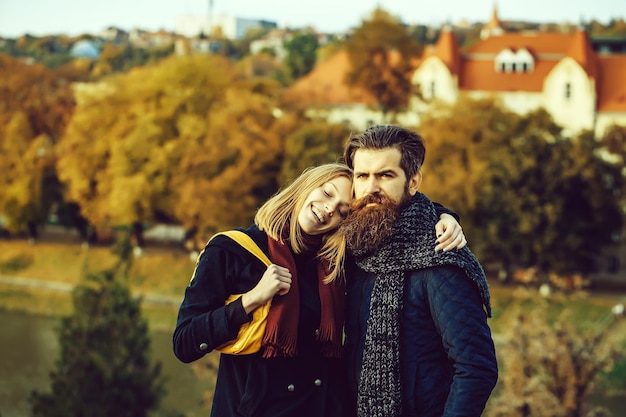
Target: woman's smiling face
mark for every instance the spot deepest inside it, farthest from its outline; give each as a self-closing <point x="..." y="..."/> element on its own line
<point x="326" y="206"/>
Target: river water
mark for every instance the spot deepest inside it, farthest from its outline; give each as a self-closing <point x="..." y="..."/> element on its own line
<point x="29" y="349"/>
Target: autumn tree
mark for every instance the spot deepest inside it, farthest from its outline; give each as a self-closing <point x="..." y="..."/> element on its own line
<point x="528" y="195"/>
<point x="380" y="53"/>
<point x="264" y="65"/>
<point x="552" y="366"/>
<point x="128" y="132"/>
<point x="312" y="144"/>
<point x="35" y="106"/>
<point x="301" y="53"/>
<point x="226" y="170"/>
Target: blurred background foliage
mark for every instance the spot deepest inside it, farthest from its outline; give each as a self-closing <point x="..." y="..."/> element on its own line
<point x="138" y="136"/>
<point x="135" y="136"/>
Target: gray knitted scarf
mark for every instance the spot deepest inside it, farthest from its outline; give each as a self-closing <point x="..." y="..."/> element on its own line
<point x="411" y="247"/>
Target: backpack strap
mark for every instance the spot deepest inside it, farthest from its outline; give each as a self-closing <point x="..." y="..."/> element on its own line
<point x="247" y="243"/>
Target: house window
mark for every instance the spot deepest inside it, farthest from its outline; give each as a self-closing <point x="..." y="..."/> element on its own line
<point x="432" y="89"/>
<point x="568" y="91"/>
<point x="524" y="67"/>
<point x="502" y="67"/>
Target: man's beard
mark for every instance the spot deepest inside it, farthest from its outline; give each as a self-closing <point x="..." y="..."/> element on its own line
<point x="367" y="228"/>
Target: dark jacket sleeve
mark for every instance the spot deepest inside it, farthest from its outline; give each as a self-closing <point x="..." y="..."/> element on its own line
<point x="460" y="319"/>
<point x="204" y="321"/>
<point x="439" y="209"/>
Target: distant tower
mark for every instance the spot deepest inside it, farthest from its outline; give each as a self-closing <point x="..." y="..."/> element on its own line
<point x="493" y="27"/>
<point x="210" y="34"/>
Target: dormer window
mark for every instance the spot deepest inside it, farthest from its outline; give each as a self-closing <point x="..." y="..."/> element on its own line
<point x="520" y="61"/>
<point x="504" y="60"/>
<point x="525" y="61"/>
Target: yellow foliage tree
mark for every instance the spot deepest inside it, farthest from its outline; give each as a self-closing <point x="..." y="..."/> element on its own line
<point x="35" y="105"/>
<point x="312" y="144"/>
<point x="125" y="139"/>
<point x="227" y="173"/>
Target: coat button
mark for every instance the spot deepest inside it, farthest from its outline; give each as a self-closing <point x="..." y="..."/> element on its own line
<point x="291" y="388"/>
<point x="203" y="346"/>
<point x="318" y="382"/>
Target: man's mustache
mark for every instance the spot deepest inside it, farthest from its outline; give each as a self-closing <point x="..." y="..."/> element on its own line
<point x="374" y="198"/>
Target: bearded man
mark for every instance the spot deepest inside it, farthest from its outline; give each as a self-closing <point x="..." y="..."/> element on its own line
<point x="417" y="339"/>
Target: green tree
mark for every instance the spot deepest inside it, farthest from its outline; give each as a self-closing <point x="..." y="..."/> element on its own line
<point x="312" y="144"/>
<point x="104" y="369"/>
<point x="301" y="53"/>
<point x="529" y="195"/>
<point x="380" y="52"/>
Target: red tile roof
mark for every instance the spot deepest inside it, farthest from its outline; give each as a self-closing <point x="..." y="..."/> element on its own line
<point x="612" y="85"/>
<point x="447" y="49"/>
<point x="480" y="75"/>
<point x="537" y="43"/>
<point x="325" y="85"/>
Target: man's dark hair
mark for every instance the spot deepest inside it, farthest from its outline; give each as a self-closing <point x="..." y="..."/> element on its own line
<point x="409" y="143"/>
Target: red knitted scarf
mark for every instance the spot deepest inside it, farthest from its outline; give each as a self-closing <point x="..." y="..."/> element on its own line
<point x="281" y="332"/>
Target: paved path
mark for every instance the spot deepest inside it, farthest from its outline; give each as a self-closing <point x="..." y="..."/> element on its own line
<point x="150" y="298"/>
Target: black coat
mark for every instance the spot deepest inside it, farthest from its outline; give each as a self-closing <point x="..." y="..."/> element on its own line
<point x="249" y="385"/>
<point x="447" y="355"/>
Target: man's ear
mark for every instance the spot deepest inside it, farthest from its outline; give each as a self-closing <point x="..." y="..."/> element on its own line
<point x="415" y="182"/>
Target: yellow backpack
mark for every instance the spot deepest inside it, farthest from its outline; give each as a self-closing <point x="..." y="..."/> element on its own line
<point x="250" y="334"/>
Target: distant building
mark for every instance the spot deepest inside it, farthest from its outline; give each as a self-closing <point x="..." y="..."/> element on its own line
<point x="560" y="72"/>
<point x="113" y="34"/>
<point x="145" y="39"/>
<point x="274" y="41"/>
<point x="607" y="45"/>
<point x="85" y="49"/>
<point x="229" y="26"/>
<point x="493" y="27"/>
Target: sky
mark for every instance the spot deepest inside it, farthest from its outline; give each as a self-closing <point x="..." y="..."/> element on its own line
<point x="74" y="17"/>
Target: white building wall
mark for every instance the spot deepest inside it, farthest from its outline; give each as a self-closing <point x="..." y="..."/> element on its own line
<point x="231" y="27"/>
<point x="576" y="112"/>
<point x="520" y="102"/>
<point x="435" y="81"/>
<point x="275" y="44"/>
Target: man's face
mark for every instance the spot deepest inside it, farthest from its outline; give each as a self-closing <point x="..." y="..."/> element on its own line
<point x="380" y="187"/>
<point x="379" y="171"/>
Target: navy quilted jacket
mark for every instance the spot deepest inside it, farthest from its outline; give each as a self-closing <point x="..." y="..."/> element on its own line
<point x="447" y="355"/>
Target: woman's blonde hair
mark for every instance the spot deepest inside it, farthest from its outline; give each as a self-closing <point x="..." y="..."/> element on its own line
<point x="278" y="216"/>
